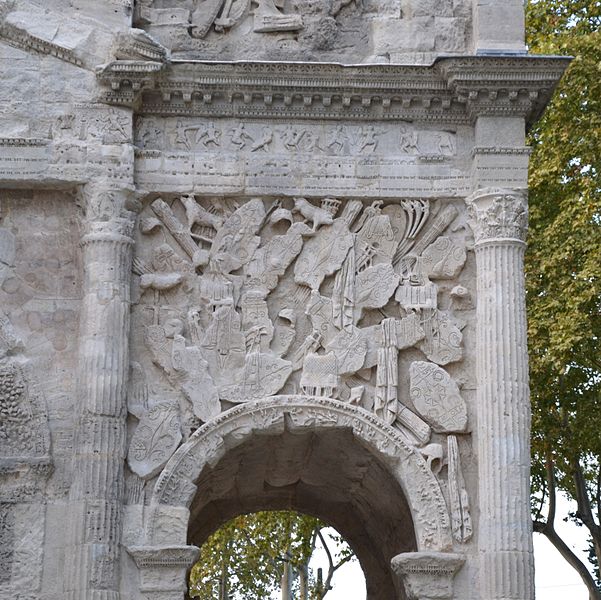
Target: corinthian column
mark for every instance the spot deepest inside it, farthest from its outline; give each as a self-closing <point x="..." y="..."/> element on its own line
<point x="97" y="489"/>
<point x="499" y="219"/>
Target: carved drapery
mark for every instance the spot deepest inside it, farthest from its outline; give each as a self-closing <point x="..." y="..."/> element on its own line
<point x="498" y="218"/>
<point x="96" y="493"/>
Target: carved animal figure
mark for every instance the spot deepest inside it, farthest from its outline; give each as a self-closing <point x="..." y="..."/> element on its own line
<point x="196" y="214"/>
<point x="318" y="216"/>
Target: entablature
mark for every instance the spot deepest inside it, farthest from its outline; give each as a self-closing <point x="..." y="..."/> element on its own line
<point x="452" y="90"/>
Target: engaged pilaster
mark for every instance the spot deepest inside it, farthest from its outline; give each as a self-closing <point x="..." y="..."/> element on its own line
<point x="96" y="493"/>
<point x="499" y="220"/>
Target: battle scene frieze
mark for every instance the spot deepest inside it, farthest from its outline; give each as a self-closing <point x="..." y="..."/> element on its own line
<point x="256" y="157"/>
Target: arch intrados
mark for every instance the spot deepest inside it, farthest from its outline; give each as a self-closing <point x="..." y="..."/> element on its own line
<point x="288" y="472"/>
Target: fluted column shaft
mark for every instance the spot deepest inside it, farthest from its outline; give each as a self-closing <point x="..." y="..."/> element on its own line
<point x="499" y="221"/>
<point x="97" y="490"/>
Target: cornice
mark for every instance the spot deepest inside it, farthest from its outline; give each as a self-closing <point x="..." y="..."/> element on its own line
<point x="504" y="85"/>
<point x="452" y="90"/>
<point x="24" y="40"/>
<point x="24" y="141"/>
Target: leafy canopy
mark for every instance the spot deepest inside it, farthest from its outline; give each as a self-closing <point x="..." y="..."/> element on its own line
<point x="563" y="272"/>
<point x="247" y="557"/>
<point x="563" y="263"/>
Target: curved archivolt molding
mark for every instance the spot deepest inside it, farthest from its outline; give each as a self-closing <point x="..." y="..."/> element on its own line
<point x="176" y="488"/>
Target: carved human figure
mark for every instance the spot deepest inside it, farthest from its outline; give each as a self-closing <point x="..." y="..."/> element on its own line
<point x="181" y="136"/>
<point x="446" y="144"/>
<point x="368" y="139"/>
<point x="150" y="134"/>
<point x="209" y="135"/>
<point x="291" y="138"/>
<point x="337" y="139"/>
<point x="408" y="140"/>
<point x="239" y="136"/>
<point x="263" y="142"/>
<point x="113" y="127"/>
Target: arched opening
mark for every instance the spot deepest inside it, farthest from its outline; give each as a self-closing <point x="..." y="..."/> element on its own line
<point x="324" y="473"/>
<point x="283" y="555"/>
<point x="314" y="455"/>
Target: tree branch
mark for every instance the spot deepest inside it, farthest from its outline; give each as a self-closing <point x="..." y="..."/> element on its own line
<point x="548" y="530"/>
<point x="541" y="504"/>
<point x="598" y="493"/>
<point x="552" y="492"/>
<point x="328" y="582"/>
<point x="571" y="559"/>
<point x="585" y="512"/>
<point x="344" y="561"/>
<point x="325" y="547"/>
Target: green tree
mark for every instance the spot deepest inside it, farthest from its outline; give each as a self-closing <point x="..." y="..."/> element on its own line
<point x="563" y="267"/>
<point x="254" y="555"/>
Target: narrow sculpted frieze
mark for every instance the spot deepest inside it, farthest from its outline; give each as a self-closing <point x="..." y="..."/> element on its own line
<point x="408" y="140"/>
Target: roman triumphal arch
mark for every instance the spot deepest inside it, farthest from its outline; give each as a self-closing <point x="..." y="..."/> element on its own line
<point x="264" y="254"/>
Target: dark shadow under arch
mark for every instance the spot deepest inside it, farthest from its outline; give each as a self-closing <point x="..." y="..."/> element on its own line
<point x="327" y="474"/>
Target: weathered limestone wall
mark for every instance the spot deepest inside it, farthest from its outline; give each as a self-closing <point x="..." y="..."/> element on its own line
<point x="238" y="271"/>
<point x="40" y="295"/>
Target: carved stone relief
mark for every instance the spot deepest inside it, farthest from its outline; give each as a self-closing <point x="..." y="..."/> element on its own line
<point x="25" y="461"/>
<point x="21" y="545"/>
<point x="307" y="29"/>
<point x="328" y="138"/>
<point x="253" y="156"/>
<point x="39" y="293"/>
<point x="242" y="299"/>
<point x="304" y="28"/>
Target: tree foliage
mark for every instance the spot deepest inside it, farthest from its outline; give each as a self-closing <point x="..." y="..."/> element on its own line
<point x="253" y="555"/>
<point x="563" y="276"/>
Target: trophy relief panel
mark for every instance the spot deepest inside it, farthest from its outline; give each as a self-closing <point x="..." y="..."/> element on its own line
<point x="238" y="299"/>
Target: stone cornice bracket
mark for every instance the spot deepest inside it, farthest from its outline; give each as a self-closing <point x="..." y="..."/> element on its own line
<point x="503" y="86"/>
<point x="139" y="59"/>
<point x="496" y="214"/>
<point x="427" y="575"/>
<point x="14" y="33"/>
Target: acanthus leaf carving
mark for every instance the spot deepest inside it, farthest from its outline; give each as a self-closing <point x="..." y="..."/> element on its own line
<point x="496" y="213"/>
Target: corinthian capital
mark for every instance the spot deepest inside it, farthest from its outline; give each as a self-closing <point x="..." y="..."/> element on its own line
<point x="107" y="209"/>
<point x="497" y="213"/>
